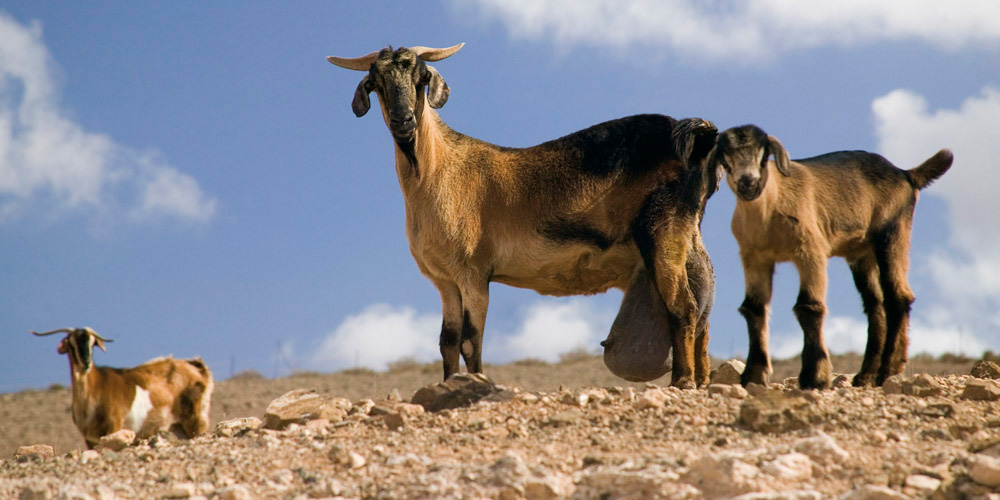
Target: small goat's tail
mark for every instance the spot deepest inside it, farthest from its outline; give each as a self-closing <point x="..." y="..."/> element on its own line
<point x="932" y="168"/>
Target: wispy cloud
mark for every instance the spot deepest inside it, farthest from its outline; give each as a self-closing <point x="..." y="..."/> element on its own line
<point x="48" y="162"/>
<point x="743" y="31"/>
<point x="381" y="334"/>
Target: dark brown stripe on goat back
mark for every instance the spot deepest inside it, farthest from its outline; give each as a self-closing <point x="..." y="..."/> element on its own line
<point x="199" y="364"/>
<point x="874" y="168"/>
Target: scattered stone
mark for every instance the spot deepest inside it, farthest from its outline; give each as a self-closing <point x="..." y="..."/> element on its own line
<point x="356" y="460"/>
<point x="89" y="455"/>
<point x="566" y="418"/>
<point x="791" y="467"/>
<point x="922" y="483"/>
<point x="872" y="492"/>
<point x="893" y="385"/>
<point x="527" y="397"/>
<point x="985" y="470"/>
<point x="776" y="411"/>
<point x="939" y="409"/>
<point x="842" y="381"/>
<point x="234" y="492"/>
<point x="981" y="390"/>
<point x="362" y="407"/>
<point x="782" y="495"/>
<point x="651" y="398"/>
<point x="728" y="373"/>
<point x="725" y="476"/>
<point x="301" y="405"/>
<point x="34" y="452"/>
<point x="116" y="441"/>
<point x="181" y="490"/>
<point x="922" y="386"/>
<point x="73" y="494"/>
<point x="460" y="390"/>
<point x="986" y="369"/>
<point x="754" y="389"/>
<point x="232" y="427"/>
<point x="548" y="487"/>
<point x="35" y="493"/>
<point x="822" y="449"/>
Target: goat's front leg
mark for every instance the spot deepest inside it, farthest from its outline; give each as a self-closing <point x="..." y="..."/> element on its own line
<point x="452" y="321"/>
<point x="475" y="303"/>
<point x="758" y="275"/>
<point x="682" y="311"/>
<point x="809" y="310"/>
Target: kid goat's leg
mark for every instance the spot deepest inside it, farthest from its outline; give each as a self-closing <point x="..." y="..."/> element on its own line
<point x="809" y="310"/>
<point x="866" y="278"/>
<point x="758" y="275"/>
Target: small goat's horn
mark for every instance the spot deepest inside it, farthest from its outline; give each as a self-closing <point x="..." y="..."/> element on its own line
<point x="358" y="63"/>
<point x="61" y="330"/>
<point x="430" y="54"/>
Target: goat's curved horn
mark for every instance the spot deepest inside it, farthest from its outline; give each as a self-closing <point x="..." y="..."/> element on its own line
<point x="430" y="54"/>
<point x="60" y="330"/>
<point x="357" y="63"/>
<point x="97" y="336"/>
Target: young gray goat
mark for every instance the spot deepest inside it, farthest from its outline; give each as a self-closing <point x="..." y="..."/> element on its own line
<point x="614" y="205"/>
<point x="849" y="204"/>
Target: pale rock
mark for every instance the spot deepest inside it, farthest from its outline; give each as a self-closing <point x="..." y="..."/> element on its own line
<point x="355" y="460"/>
<point x="231" y="427"/>
<point x="234" y="492"/>
<point x="509" y="470"/>
<point x="116" y="441"/>
<point x="981" y="390"/>
<point x="893" y="385"/>
<point x="89" y="455"/>
<point x="362" y="407"/>
<point x="822" y="449"/>
<point x="925" y="484"/>
<point x="755" y="389"/>
<point x="777" y="411"/>
<point x="842" y="381"/>
<point x="738" y="392"/>
<point x="628" y="484"/>
<point x="628" y="394"/>
<point x="283" y="476"/>
<point x="527" y="397"/>
<point x="73" y="494"/>
<point x="548" y="487"/>
<point x="104" y="492"/>
<point x="873" y="492"/>
<point x="724" y="476"/>
<point x="734" y="391"/>
<point x="651" y="398"/>
<point x="301" y="405"/>
<point x="181" y="490"/>
<point x="728" y="373"/>
<point x="791" y="467"/>
<point x="985" y="470"/>
<point x="923" y="386"/>
<point x="33" y="452"/>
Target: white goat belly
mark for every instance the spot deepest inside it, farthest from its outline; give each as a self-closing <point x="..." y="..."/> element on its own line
<point x="140" y="408"/>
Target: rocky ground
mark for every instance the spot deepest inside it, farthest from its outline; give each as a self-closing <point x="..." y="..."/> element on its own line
<point x="566" y="430"/>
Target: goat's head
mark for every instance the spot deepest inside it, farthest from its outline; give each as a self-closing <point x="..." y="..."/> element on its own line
<point x="743" y="152"/>
<point x="79" y="344"/>
<point x="399" y="78"/>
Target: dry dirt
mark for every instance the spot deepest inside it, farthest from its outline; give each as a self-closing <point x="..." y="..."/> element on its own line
<point x="566" y="430"/>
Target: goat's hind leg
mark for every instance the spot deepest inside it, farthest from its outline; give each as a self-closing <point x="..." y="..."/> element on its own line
<point x="809" y="310"/>
<point x="892" y="253"/>
<point x="866" y="279"/>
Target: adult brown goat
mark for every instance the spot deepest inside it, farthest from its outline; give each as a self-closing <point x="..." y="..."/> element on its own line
<point x="849" y="204"/>
<point x="616" y="205"/>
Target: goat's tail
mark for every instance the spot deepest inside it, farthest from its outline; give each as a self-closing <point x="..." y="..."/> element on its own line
<point x="932" y="168"/>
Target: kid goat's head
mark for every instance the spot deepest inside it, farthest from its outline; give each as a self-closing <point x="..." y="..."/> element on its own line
<point x="743" y="153"/>
<point x="399" y="78"/>
<point x="79" y="344"/>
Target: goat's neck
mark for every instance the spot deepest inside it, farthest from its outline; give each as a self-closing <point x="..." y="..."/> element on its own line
<point x="428" y="140"/>
<point x="82" y="380"/>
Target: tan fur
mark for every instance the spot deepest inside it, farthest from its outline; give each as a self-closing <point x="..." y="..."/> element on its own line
<point x="853" y="205"/>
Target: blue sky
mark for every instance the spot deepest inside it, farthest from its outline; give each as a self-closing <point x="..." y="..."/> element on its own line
<point x="188" y="178"/>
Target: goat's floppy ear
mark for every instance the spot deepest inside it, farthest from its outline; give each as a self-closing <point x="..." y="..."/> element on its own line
<point x="100" y="343"/>
<point x="437" y="89"/>
<point x="361" y="104"/>
<point x="713" y="170"/>
<point x="780" y="155"/>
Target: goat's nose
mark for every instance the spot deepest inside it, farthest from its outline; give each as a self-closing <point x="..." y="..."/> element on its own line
<point x="402" y="119"/>
<point x="745" y="182"/>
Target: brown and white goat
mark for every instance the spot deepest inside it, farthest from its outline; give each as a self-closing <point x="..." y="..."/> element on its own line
<point x="163" y="394"/>
<point x="849" y="204"/>
<point x="616" y="204"/>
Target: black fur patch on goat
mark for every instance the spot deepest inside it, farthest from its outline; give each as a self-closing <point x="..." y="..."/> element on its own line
<point x="565" y="230"/>
<point x="633" y="145"/>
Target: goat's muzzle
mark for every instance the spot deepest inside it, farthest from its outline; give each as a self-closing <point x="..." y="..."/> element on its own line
<point x="748" y="188"/>
<point x="403" y="126"/>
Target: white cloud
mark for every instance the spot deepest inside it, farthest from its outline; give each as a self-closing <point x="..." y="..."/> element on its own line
<point x="745" y="30"/>
<point x="381" y="334"/>
<point x="49" y="161"/>
<point x="967" y="269"/>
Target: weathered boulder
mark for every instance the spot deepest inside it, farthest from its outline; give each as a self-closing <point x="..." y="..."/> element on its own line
<point x="461" y="389"/>
<point x="873" y="492"/>
<point x="777" y="411"/>
<point x="232" y="427"/>
<point x="822" y="449"/>
<point x="981" y="390"/>
<point x="301" y="405"/>
<point x="116" y="441"/>
<point x="985" y="369"/>
<point x="725" y="476"/>
<point x="728" y="372"/>
<point x="34" y="452"/>
<point x="985" y="470"/>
